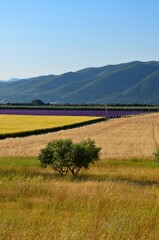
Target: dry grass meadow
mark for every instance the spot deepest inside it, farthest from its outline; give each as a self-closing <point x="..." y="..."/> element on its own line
<point x="115" y="199"/>
<point x="136" y="136"/>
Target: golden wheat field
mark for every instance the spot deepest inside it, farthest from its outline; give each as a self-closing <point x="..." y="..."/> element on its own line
<point x="21" y="123"/>
<point x="119" y="138"/>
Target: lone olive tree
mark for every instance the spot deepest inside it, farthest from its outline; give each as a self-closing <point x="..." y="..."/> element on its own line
<point x="65" y="156"/>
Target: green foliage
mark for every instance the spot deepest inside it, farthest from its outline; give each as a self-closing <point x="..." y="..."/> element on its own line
<point x="58" y="154"/>
<point x="156" y="155"/>
<point x="85" y="152"/>
<point x="37" y="102"/>
<point x="64" y="156"/>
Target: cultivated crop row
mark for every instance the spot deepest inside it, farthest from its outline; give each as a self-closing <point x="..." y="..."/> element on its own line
<point x="98" y="113"/>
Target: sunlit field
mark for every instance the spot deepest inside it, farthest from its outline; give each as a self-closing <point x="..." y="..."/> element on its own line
<point x="136" y="136"/>
<point x="113" y="200"/>
<point x="21" y="123"/>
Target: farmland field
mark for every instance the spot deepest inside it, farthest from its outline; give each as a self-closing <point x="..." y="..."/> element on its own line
<point x="66" y="112"/>
<point x="116" y="199"/>
<point x="136" y="136"/>
<point x="19" y="123"/>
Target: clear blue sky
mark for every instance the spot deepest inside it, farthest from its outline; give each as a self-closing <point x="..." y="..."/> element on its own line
<point x="55" y="36"/>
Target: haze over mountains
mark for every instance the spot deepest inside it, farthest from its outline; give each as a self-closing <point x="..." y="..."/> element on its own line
<point x="127" y="83"/>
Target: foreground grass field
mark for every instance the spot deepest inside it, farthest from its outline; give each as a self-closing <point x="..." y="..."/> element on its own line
<point x="22" y="123"/>
<point x="113" y="200"/>
<point x="136" y="136"/>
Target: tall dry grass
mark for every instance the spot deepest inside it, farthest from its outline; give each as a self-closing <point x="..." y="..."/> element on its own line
<point x="122" y="138"/>
<point x="102" y="203"/>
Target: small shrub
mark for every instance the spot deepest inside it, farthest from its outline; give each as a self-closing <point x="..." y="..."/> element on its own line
<point x="64" y="156"/>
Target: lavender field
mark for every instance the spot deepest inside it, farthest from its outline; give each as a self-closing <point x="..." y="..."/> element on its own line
<point x="98" y="113"/>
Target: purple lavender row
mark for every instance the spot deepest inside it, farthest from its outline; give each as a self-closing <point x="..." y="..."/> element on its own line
<point x="96" y="113"/>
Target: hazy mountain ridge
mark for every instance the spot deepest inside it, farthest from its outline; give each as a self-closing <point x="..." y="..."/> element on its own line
<point x="134" y="82"/>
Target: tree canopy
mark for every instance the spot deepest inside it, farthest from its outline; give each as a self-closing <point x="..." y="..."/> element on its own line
<point x="65" y="156"/>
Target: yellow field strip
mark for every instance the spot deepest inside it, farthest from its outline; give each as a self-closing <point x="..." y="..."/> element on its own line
<point x="18" y="123"/>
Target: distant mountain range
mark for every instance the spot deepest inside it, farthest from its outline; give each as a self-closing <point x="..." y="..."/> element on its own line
<point x="130" y="83"/>
<point x="13" y="80"/>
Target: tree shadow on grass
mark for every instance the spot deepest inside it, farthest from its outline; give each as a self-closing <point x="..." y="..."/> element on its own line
<point x="119" y="179"/>
<point x="25" y="173"/>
